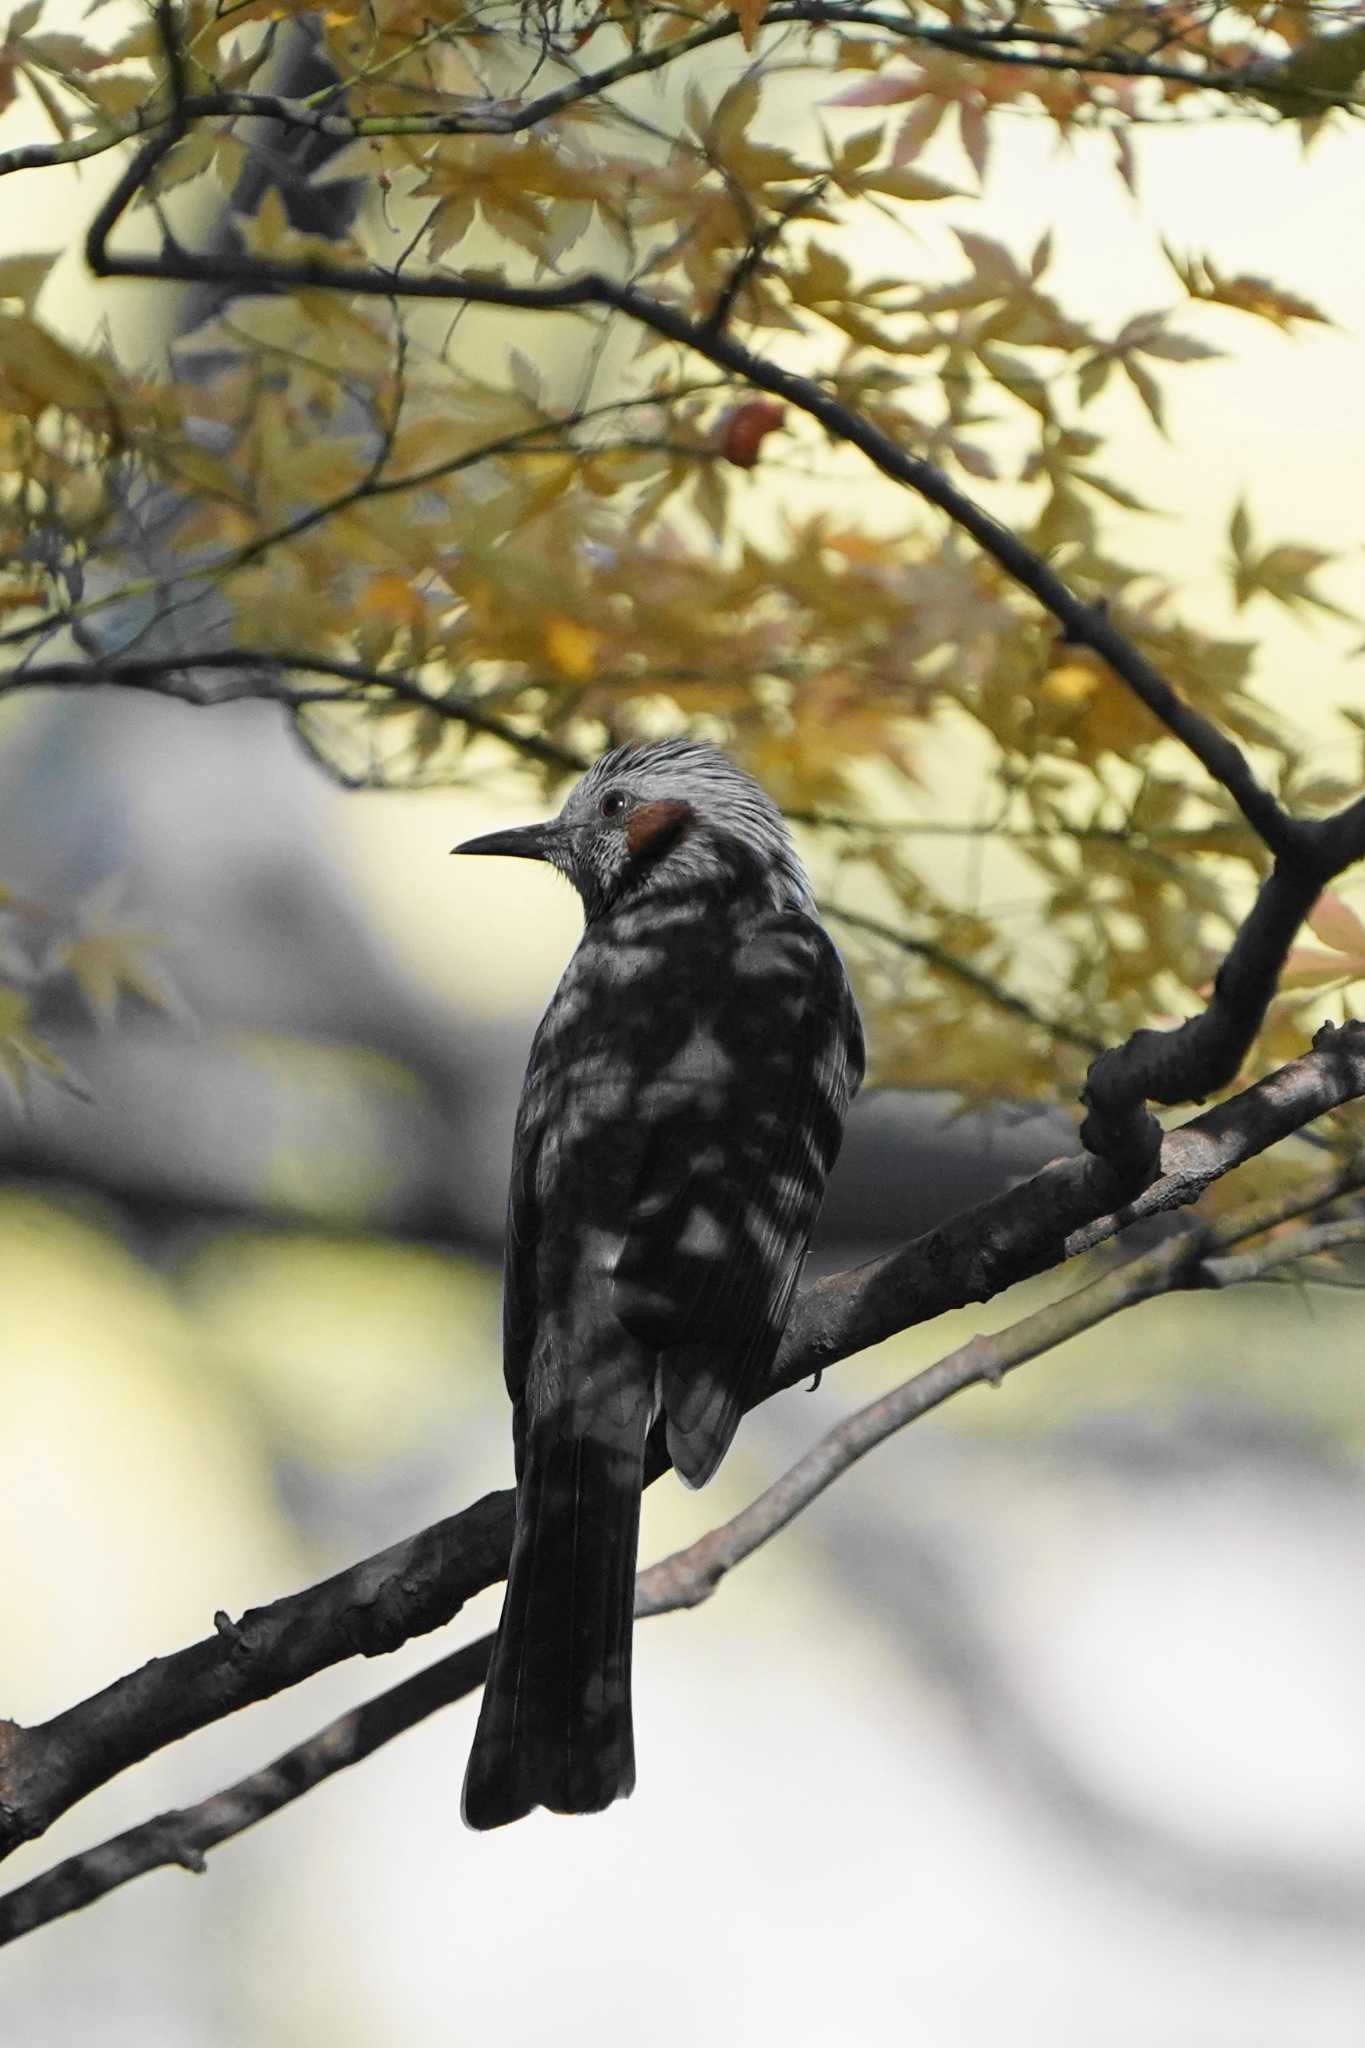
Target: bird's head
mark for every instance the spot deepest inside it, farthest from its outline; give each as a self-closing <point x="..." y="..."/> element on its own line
<point x="671" y="812"/>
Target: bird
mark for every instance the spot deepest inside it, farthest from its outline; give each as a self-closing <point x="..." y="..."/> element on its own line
<point x="683" y="1105"/>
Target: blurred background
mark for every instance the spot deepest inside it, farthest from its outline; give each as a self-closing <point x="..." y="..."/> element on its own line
<point x="1046" y="1722"/>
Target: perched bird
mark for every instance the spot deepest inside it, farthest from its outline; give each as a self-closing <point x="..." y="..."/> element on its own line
<point x="682" y="1108"/>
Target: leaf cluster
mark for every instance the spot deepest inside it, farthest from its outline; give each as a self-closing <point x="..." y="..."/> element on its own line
<point x="583" y="542"/>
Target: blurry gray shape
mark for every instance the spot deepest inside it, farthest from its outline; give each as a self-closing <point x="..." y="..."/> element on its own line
<point x="912" y="1551"/>
<point x="304" y="1031"/>
<point x="1212" y="1435"/>
<point x="911" y="1160"/>
<point x="225" y="832"/>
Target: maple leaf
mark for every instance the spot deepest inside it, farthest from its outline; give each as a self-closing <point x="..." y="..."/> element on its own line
<point x="749" y="14"/>
<point x="1282" y="572"/>
<point x="108" y="959"/>
<point x="1321" y="73"/>
<point x="23" y="1054"/>
<point x="1340" y="958"/>
<point x="38" y="370"/>
<point x="23" y="277"/>
<point x="571" y="648"/>
<point x="1255" y="295"/>
<point x="887" y="89"/>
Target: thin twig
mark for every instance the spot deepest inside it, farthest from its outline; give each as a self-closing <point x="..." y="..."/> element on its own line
<point x="1084" y="624"/>
<point x="420" y="1584"/>
<point x="947" y="962"/>
<point x="684" y="1579"/>
<point x="247" y="668"/>
<point x="1285" y="1251"/>
<point x="186" y="1835"/>
<point x="985" y="45"/>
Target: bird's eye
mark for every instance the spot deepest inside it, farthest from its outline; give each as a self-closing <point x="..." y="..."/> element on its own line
<point x="613" y="803"/>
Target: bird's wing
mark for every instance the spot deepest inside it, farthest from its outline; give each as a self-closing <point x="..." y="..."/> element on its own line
<point x="736" y="1132"/>
<point x="575" y="1158"/>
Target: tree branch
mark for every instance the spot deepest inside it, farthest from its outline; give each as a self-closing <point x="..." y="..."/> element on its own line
<point x="987" y="45"/>
<point x="1058" y="1213"/>
<point x="685" y="1579"/>
<point x="963" y="971"/>
<point x="1195" y="1058"/>
<point x="420" y="1584"/>
<point x="1285" y="1251"/>
<point x="169" y="675"/>
<point x="1173" y="1066"/>
<point x="1084" y="624"/>
<point x="185" y="1836"/>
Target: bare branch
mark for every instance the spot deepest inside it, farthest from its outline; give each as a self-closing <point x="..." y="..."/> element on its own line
<point x="420" y="1584"/>
<point x="1285" y="1251"/>
<point x="407" y="1590"/>
<point x="1058" y="1213"/>
<point x="684" y="1579"/>
<point x="185" y="1836"/>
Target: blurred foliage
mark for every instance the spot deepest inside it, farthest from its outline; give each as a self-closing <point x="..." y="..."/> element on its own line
<point x="91" y="945"/>
<point x="419" y="541"/>
<point x="220" y="1392"/>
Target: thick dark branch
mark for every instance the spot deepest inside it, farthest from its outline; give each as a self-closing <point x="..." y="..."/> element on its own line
<point x="185" y="1836"/>
<point x="1058" y="1213"/>
<point x="408" y="1590"/>
<point x="1202" y="1055"/>
<point x="685" y="1579"/>
<point x="418" y="1585"/>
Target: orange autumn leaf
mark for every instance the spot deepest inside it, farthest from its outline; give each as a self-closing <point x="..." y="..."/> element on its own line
<point x="392" y="596"/>
<point x="749" y="13"/>
<point x="571" y="648"/>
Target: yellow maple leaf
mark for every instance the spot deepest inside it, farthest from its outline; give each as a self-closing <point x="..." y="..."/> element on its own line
<point x="749" y="13"/>
<point x="23" y="1054"/>
<point x="1341" y="957"/>
<point x="571" y="648"/>
<point x="107" y="958"/>
<point x="37" y="370"/>
<point x="392" y="596"/>
<point x="1081" y="698"/>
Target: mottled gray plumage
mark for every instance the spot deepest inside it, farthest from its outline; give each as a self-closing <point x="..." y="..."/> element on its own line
<point x="682" y="1108"/>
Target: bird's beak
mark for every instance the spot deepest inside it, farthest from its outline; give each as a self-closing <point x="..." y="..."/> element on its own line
<point x="526" y="842"/>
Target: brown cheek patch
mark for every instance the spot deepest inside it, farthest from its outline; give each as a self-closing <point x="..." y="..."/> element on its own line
<point x="654" y="827"/>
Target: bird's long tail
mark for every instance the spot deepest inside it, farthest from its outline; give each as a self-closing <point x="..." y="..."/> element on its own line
<point x="555" y="1724"/>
